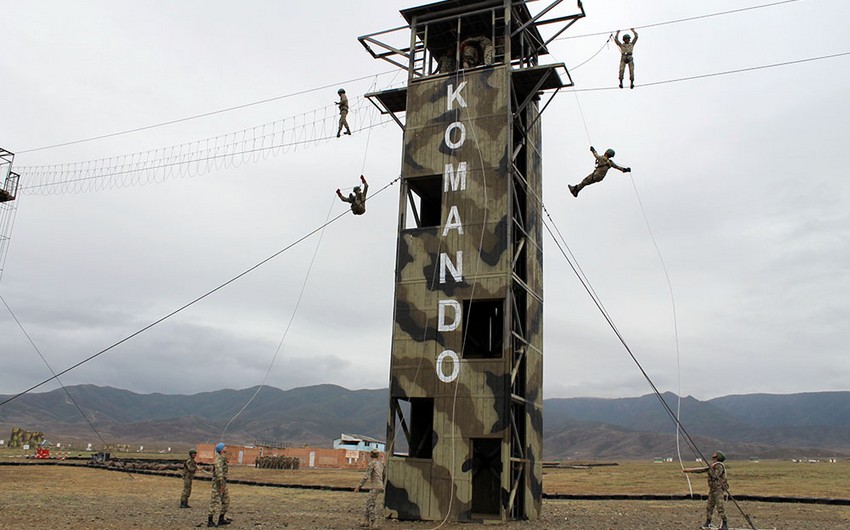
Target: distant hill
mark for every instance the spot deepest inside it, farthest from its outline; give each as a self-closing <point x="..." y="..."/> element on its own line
<point x="765" y="425"/>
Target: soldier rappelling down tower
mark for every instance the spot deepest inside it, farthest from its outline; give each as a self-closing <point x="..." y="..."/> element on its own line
<point x="357" y="198"/>
<point x="603" y="164"/>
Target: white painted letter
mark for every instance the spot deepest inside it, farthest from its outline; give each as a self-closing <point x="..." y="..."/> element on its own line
<point x="453" y="222"/>
<point x="446" y="264"/>
<point x="455" y="366"/>
<point x="457" y="181"/>
<point x="456" y="125"/>
<point x="455" y="95"/>
<point x="441" y="315"/>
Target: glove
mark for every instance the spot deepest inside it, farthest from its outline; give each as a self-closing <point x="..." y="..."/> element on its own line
<point x="627" y="170"/>
<point x="362" y="179"/>
<point x="592" y="149"/>
<point x="338" y="192"/>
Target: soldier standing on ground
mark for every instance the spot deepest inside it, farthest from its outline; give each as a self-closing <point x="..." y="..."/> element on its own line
<point x="343" y="112"/>
<point x="376" y="475"/>
<point x="603" y="164"/>
<point x="357" y="198"/>
<point x="190" y="467"/>
<point x="717" y="486"/>
<point x="626" y="49"/>
<point x="220" y="500"/>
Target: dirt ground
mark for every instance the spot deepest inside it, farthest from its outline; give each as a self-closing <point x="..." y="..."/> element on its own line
<point x="51" y="497"/>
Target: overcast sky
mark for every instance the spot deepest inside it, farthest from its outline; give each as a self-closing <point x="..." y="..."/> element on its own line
<point x="741" y="177"/>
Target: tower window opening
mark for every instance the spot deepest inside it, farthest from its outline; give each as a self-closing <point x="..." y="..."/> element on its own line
<point x="424" y="202"/>
<point x="414" y="427"/>
<point x="483" y="326"/>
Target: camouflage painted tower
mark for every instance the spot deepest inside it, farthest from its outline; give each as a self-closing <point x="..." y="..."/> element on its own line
<point x="466" y="408"/>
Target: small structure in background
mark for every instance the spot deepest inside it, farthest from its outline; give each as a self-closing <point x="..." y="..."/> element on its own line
<point x="296" y="457"/>
<point x="357" y="447"/>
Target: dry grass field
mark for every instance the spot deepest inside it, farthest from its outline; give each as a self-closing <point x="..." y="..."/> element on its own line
<point x="49" y="497"/>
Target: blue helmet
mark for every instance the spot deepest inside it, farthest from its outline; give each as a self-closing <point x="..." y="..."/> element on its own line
<point x="219" y="447"/>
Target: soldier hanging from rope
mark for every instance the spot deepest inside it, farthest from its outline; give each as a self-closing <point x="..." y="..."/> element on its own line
<point x="626" y="49"/>
<point x="357" y="198"/>
<point x="343" y="112"/>
<point x="603" y="164"/>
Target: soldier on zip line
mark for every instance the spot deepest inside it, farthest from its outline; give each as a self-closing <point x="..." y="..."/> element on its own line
<point x="357" y="198"/>
<point x="627" y="47"/>
<point x="603" y="164"/>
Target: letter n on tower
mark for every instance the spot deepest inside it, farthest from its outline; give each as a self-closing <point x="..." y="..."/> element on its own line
<point x="465" y="426"/>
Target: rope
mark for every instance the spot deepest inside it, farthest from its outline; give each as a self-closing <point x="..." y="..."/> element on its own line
<point x="727" y="72"/>
<point x="203" y="115"/>
<point x="683" y="19"/>
<point x="44" y="360"/>
<point x="688" y="439"/>
<point x="675" y="328"/>
<point x="188" y="304"/>
<point x="289" y="325"/>
<point x="604" y="45"/>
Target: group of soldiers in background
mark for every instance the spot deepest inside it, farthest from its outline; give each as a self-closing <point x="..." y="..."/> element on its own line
<point x="277" y="462"/>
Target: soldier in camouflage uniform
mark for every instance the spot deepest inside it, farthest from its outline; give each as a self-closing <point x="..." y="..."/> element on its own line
<point x="220" y="499"/>
<point x="343" y="112"/>
<point x="357" y="199"/>
<point x="717" y="487"/>
<point x="603" y="164"/>
<point x="376" y="476"/>
<point x="190" y="467"/>
<point x="626" y="49"/>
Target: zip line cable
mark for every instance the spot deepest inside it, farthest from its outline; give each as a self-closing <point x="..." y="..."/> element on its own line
<point x="714" y="74"/>
<point x="202" y="115"/>
<point x="289" y="325"/>
<point x="688" y="439"/>
<point x="688" y="19"/>
<point x="300" y="296"/>
<point x="44" y="360"/>
<point x="188" y="304"/>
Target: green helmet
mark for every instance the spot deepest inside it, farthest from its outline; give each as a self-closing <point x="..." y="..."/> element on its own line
<point x="192" y="452"/>
<point x="720" y="456"/>
<point x="609" y="153"/>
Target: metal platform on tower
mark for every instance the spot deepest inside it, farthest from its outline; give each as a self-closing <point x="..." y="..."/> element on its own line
<point x="9" y="178"/>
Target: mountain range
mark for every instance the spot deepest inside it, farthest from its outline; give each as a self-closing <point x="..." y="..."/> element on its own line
<point x="762" y="425"/>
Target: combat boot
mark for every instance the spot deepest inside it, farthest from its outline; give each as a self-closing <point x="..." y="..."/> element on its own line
<point x="210" y="522"/>
<point x="707" y="525"/>
<point x="573" y="190"/>
<point x="222" y="521"/>
<point x="184" y="505"/>
<point x="724" y="526"/>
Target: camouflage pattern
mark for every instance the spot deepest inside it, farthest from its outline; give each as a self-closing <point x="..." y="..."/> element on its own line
<point x="602" y="165"/>
<point x="464" y="118"/>
<point x="626" y="56"/>
<point x="343" y="114"/>
<point x="190" y="467"/>
<point x="375" y="475"/>
<point x="357" y="199"/>
<point x="277" y="462"/>
<point x="717" y="486"/>
<point x="21" y="437"/>
<point x="220" y="498"/>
